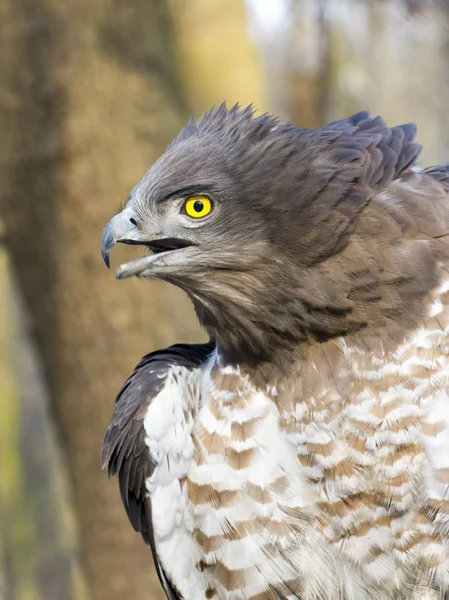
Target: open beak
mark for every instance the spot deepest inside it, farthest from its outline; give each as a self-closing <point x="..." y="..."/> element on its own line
<point x="122" y="229"/>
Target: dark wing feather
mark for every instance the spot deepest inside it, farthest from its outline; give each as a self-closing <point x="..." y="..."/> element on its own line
<point x="124" y="452"/>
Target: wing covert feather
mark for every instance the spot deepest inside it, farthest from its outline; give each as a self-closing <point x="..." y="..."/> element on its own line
<point x="124" y="452"/>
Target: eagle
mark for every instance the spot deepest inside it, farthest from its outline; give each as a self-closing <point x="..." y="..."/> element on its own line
<point x="303" y="452"/>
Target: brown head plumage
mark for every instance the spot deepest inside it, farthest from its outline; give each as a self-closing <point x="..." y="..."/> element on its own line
<point x="287" y="250"/>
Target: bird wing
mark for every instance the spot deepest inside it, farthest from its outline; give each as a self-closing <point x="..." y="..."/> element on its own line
<point x="125" y="453"/>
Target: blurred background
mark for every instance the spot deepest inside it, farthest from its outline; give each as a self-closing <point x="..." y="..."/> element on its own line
<point x="91" y="91"/>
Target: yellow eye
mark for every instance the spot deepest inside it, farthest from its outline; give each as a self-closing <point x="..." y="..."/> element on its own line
<point x="198" y="206"/>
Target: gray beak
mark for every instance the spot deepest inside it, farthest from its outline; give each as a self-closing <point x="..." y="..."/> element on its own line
<point x="122" y="228"/>
<point x="119" y="229"/>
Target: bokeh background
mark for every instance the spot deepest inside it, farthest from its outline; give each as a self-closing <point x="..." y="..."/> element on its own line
<point x="91" y="91"/>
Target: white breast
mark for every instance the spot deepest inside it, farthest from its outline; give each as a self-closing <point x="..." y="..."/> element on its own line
<point x="249" y="495"/>
<point x="168" y="427"/>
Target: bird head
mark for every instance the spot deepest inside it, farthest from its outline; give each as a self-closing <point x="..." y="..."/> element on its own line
<point x="238" y="212"/>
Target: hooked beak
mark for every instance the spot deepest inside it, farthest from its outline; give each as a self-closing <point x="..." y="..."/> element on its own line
<point x="122" y="229"/>
<point x="119" y="229"/>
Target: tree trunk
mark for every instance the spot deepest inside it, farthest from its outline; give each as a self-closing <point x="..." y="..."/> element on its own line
<point x="214" y="69"/>
<point x="89" y="96"/>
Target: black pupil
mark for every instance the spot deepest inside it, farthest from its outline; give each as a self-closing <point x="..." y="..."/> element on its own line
<point x="198" y="206"/>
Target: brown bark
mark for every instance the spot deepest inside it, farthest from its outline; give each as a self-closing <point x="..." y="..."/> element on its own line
<point x="89" y="96"/>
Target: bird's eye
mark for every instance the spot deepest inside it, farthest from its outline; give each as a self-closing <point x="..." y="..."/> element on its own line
<point x="198" y="206"/>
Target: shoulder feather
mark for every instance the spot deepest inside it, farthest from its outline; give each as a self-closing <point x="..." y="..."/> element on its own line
<point x="124" y="452"/>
